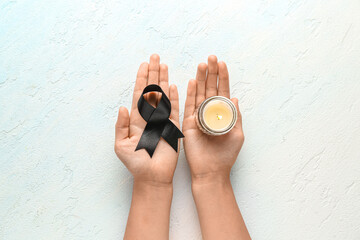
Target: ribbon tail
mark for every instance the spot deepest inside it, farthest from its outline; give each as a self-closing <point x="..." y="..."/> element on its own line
<point x="149" y="150"/>
<point x="149" y="139"/>
<point x="171" y="134"/>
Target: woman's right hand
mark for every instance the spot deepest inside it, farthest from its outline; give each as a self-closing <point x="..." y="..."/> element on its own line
<point x="210" y="157"/>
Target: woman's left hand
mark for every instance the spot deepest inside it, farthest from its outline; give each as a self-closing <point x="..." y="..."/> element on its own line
<point x="158" y="169"/>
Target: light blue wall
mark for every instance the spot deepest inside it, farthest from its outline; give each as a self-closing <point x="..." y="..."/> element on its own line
<point x="66" y="66"/>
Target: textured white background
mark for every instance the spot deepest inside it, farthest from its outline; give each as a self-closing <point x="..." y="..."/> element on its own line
<point x="66" y="66"/>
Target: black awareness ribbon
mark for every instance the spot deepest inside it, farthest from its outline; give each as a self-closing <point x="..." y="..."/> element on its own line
<point x="158" y="122"/>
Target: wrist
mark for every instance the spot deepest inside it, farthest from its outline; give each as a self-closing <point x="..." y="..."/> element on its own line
<point x="152" y="187"/>
<point x="210" y="183"/>
<point x="208" y="178"/>
<point x="211" y="190"/>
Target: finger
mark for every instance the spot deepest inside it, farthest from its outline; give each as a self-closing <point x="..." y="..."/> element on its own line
<point x="141" y="80"/>
<point x="154" y="69"/>
<point x="154" y="73"/>
<point x="200" y="83"/>
<point x="224" y="88"/>
<point x="174" y="99"/>
<point x="190" y="99"/>
<point x="211" y="80"/>
<point x="122" y="124"/>
<point x="239" y="117"/>
<point x="164" y="79"/>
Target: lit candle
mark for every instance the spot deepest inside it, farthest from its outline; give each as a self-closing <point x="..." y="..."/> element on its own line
<point x="216" y="115"/>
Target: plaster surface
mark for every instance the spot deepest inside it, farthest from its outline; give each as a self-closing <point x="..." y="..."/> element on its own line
<point x="66" y="66"/>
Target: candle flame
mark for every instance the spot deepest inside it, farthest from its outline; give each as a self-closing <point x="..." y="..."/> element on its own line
<point x="219" y="117"/>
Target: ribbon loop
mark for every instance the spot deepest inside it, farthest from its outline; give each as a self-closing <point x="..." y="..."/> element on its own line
<point x="158" y="122"/>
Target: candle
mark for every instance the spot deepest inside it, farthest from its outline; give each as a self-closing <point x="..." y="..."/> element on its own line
<point x="216" y="115"/>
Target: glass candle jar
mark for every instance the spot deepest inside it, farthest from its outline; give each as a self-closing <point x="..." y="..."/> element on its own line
<point x="216" y="115"/>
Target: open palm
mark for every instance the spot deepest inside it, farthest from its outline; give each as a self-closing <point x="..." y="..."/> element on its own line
<point x="128" y="130"/>
<point x="210" y="155"/>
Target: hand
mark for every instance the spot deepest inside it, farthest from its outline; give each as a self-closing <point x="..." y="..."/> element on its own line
<point x="160" y="168"/>
<point x="210" y="156"/>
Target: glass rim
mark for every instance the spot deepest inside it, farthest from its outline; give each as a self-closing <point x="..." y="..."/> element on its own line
<point x="200" y="115"/>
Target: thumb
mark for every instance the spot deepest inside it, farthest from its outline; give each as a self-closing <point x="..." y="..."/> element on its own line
<point x="239" y="117"/>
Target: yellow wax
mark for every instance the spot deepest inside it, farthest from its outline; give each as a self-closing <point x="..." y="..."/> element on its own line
<point x="217" y="115"/>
